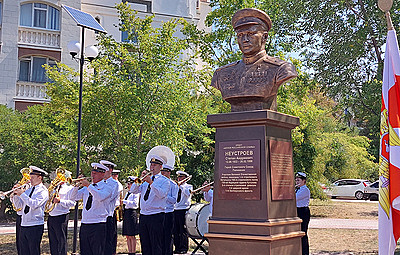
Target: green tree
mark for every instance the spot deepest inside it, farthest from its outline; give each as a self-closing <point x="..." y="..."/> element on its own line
<point x="142" y="93"/>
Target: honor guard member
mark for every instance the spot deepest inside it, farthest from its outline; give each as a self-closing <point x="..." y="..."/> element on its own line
<point x="32" y="201"/>
<point x="130" y="227"/>
<point x="57" y="222"/>
<point x="208" y="195"/>
<point x="153" y="201"/>
<point x="303" y="211"/>
<point x="183" y="202"/>
<point x="252" y="83"/>
<point x="169" y="211"/>
<point x="92" y="234"/>
<point x="116" y="187"/>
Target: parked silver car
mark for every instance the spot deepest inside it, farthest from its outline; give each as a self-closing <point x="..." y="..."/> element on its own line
<point x="371" y="192"/>
<point x="348" y="188"/>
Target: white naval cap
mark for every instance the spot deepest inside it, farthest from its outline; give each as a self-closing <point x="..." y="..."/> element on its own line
<point x="99" y="167"/>
<point x="167" y="167"/>
<point x="131" y="179"/>
<point x="300" y="174"/>
<point x="115" y="171"/>
<point x="38" y="171"/>
<point x="157" y="159"/>
<point x="108" y="164"/>
<point x="181" y="173"/>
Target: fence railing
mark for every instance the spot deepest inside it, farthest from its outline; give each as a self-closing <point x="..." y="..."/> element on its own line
<point x="38" y="37"/>
<point x="31" y="90"/>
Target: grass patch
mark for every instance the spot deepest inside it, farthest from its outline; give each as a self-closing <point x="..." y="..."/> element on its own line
<point x="343" y="210"/>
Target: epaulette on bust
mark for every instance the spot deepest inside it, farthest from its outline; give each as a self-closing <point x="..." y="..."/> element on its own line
<point x="274" y="61"/>
<point x="228" y="65"/>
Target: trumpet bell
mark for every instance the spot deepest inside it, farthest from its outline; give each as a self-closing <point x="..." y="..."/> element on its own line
<point x="162" y="151"/>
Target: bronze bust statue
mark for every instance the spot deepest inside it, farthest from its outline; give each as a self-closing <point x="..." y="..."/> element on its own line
<point x="252" y="83"/>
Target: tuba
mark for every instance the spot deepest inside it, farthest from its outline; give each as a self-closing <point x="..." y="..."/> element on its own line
<point x="25" y="180"/>
<point x="162" y="151"/>
<point x="55" y="187"/>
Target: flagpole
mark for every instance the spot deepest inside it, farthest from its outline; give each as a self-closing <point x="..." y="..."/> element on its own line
<point x="385" y="6"/>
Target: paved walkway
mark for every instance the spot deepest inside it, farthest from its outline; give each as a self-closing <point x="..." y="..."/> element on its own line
<point x="314" y="223"/>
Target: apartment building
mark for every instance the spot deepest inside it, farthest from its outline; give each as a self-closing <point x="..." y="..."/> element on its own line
<point x="36" y="32"/>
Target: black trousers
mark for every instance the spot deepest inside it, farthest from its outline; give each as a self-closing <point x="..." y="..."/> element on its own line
<point x="111" y="236"/>
<point x="30" y="239"/>
<point x="304" y="214"/>
<point x="168" y="227"/>
<point x="18" y="233"/>
<point x="151" y="232"/>
<point x="57" y="227"/>
<point x="92" y="238"/>
<point x="181" y="240"/>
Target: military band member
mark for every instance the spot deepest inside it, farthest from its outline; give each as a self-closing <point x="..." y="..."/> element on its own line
<point x="130" y="227"/>
<point x="183" y="202"/>
<point x="116" y="187"/>
<point x="208" y="195"/>
<point x="57" y="222"/>
<point x="19" y="212"/>
<point x="153" y="200"/>
<point x="92" y="234"/>
<point x="32" y="201"/>
<point x="169" y="211"/>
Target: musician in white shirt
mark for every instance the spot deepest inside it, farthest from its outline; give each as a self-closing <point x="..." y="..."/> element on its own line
<point x="303" y="211"/>
<point x="183" y="202"/>
<point x="32" y="201"/>
<point x="57" y="222"/>
<point x="153" y="201"/>
<point x="130" y="227"/>
<point x="169" y="211"/>
<point x="208" y="195"/>
<point x="92" y="234"/>
<point x="116" y="187"/>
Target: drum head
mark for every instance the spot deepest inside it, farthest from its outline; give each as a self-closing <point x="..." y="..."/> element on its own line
<point x="196" y="220"/>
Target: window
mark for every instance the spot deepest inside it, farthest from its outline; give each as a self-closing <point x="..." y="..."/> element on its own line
<point x="125" y="35"/>
<point x="40" y="16"/>
<point x="31" y="69"/>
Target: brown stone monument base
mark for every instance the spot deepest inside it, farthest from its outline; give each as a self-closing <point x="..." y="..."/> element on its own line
<point x="254" y="209"/>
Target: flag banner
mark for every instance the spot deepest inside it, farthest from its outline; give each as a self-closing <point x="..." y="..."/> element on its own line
<point x="389" y="154"/>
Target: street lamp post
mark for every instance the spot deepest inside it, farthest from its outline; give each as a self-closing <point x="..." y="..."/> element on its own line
<point x="91" y="53"/>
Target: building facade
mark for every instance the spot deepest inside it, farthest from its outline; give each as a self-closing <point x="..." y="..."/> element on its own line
<point x="36" y="32"/>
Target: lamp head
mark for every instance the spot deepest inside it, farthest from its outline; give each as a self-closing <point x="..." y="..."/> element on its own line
<point x="74" y="47"/>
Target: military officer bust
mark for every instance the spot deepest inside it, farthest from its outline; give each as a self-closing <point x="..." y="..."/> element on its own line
<point x="252" y="83"/>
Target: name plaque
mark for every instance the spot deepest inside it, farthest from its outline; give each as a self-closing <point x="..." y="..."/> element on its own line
<point x="239" y="170"/>
<point x="282" y="177"/>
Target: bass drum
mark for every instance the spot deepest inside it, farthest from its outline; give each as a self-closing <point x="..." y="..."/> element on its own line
<point x="196" y="219"/>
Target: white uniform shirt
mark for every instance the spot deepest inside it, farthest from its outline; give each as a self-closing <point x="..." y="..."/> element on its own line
<point x="172" y="195"/>
<point x="98" y="212"/>
<point x="186" y="197"/>
<point x="157" y="200"/>
<point x="16" y="200"/>
<point x="208" y="196"/>
<point x="116" y="189"/>
<point x="303" y="196"/>
<point x="132" y="201"/>
<point x="36" y="204"/>
<point x="65" y="201"/>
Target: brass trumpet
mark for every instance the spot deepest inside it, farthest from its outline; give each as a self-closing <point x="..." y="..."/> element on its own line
<point x="184" y="180"/>
<point x="25" y="179"/>
<point x="202" y="187"/>
<point x="77" y="180"/>
<point x="140" y="180"/>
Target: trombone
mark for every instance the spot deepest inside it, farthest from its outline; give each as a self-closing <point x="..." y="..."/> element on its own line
<point x="3" y="194"/>
<point x="202" y="187"/>
<point x="184" y="180"/>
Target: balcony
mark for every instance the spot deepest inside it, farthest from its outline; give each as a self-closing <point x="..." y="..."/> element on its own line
<point x="38" y="37"/>
<point x="31" y="91"/>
